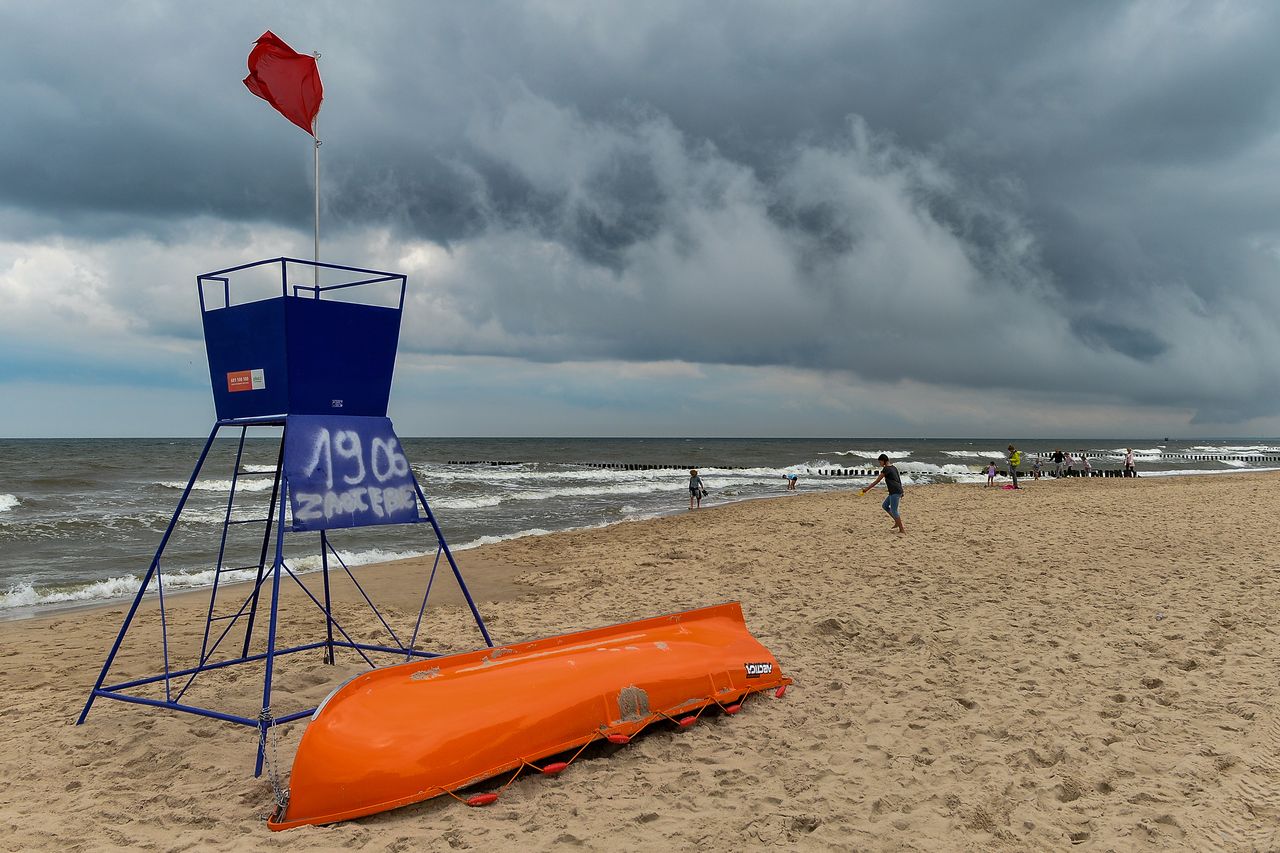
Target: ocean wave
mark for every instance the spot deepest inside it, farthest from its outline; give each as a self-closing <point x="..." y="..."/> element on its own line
<point x="485" y="501"/>
<point x="1139" y="451"/>
<point x="242" y="485"/>
<point x="8" y="502"/>
<point x="504" y="537"/>
<point x="874" y="454"/>
<point x="27" y="595"/>
<point x="1197" y="471"/>
<point x="258" y="469"/>
<point x="974" y="454"/>
<point x="500" y="475"/>
<point x="1235" y="450"/>
<point x="930" y="468"/>
<point x="477" y="502"/>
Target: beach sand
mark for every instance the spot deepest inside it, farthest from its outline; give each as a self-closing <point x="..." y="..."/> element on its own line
<point x="1087" y="663"/>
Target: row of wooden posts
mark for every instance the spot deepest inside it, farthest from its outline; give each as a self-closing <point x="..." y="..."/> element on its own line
<point x="871" y="472"/>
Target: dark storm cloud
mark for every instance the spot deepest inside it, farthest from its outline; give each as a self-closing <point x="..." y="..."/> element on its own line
<point x="992" y="195"/>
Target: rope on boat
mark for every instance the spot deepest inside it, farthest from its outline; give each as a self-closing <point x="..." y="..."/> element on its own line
<point x="490" y="797"/>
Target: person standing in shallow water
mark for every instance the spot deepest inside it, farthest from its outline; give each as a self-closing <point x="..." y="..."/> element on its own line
<point x="696" y="490"/>
<point x="893" y="480"/>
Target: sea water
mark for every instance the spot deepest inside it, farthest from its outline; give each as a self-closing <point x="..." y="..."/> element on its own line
<point x="80" y="519"/>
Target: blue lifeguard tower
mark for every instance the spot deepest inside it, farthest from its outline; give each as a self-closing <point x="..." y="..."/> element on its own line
<point x="311" y="364"/>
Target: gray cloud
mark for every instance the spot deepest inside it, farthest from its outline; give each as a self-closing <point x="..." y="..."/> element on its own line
<point x="983" y="195"/>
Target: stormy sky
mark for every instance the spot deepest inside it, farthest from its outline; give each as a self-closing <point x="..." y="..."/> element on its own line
<point x="870" y="218"/>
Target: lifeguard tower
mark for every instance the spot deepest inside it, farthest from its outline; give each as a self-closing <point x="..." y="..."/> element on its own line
<point x="303" y="351"/>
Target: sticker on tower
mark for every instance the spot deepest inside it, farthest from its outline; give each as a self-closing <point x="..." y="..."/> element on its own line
<point x="246" y="380"/>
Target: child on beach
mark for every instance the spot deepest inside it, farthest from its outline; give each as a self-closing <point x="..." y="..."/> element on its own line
<point x="1085" y="468"/>
<point x="791" y="481"/>
<point x="991" y="475"/>
<point x="1035" y="469"/>
<point x="892" y="479"/>
<point x="696" y="490"/>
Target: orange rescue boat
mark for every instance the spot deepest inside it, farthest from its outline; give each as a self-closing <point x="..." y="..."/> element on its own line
<point x="410" y="732"/>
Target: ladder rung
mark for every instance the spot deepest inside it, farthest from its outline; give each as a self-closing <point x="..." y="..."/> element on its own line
<point x="236" y="568"/>
<point x="220" y="618"/>
<point x="250" y="521"/>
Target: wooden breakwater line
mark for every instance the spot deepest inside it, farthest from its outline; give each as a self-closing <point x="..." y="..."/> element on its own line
<point x="612" y="466"/>
<point x="1045" y="460"/>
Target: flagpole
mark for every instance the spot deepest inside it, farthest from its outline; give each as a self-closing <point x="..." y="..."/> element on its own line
<point x="315" y="125"/>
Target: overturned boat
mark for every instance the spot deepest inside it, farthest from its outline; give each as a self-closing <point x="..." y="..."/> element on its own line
<point x="406" y="733"/>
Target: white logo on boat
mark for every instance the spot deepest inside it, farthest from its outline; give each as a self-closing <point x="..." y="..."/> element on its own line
<point x="755" y="670"/>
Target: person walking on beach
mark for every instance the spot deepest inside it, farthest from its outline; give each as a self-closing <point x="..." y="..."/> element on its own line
<point x="696" y="490"/>
<point x="1057" y="463"/>
<point x="991" y="475"/>
<point x="1085" y="468"/>
<point x="1015" y="459"/>
<point x="1035" y="468"/>
<point x="1071" y="464"/>
<point x="893" y="480"/>
<point x="1129" y="469"/>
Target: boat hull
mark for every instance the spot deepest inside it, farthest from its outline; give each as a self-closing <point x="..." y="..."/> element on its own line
<point x="410" y="732"/>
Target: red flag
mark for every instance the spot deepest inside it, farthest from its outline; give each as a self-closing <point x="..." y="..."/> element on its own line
<point x="286" y="79"/>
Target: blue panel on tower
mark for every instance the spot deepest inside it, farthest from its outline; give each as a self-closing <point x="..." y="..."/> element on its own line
<point x="346" y="472"/>
<point x="314" y="348"/>
<point x="341" y="356"/>
<point x="247" y="363"/>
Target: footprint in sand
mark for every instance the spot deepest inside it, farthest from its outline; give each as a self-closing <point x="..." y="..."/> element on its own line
<point x="1257" y="825"/>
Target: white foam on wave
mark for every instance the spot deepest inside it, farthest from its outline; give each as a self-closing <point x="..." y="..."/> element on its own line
<point x="485" y="501"/>
<point x="8" y="502"/>
<point x="477" y="502"/>
<point x="974" y="454"/>
<point x="258" y="469"/>
<point x="1189" y="471"/>
<point x="505" y="537"/>
<point x="874" y="454"/>
<point x="1236" y="449"/>
<point x="26" y="595"/>
<point x="950" y="469"/>
<point x="242" y="485"/>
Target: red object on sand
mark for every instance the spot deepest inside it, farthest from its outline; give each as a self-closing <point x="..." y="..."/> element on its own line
<point x="482" y="799"/>
<point x="554" y="768"/>
<point x="1008" y="486"/>
<point x="286" y="79"/>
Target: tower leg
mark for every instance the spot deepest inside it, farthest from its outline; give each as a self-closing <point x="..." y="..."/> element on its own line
<point x="146" y="580"/>
<point x="328" y="604"/>
<point x="266" y="718"/>
<point x="266" y="541"/>
<point x="444" y="546"/>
